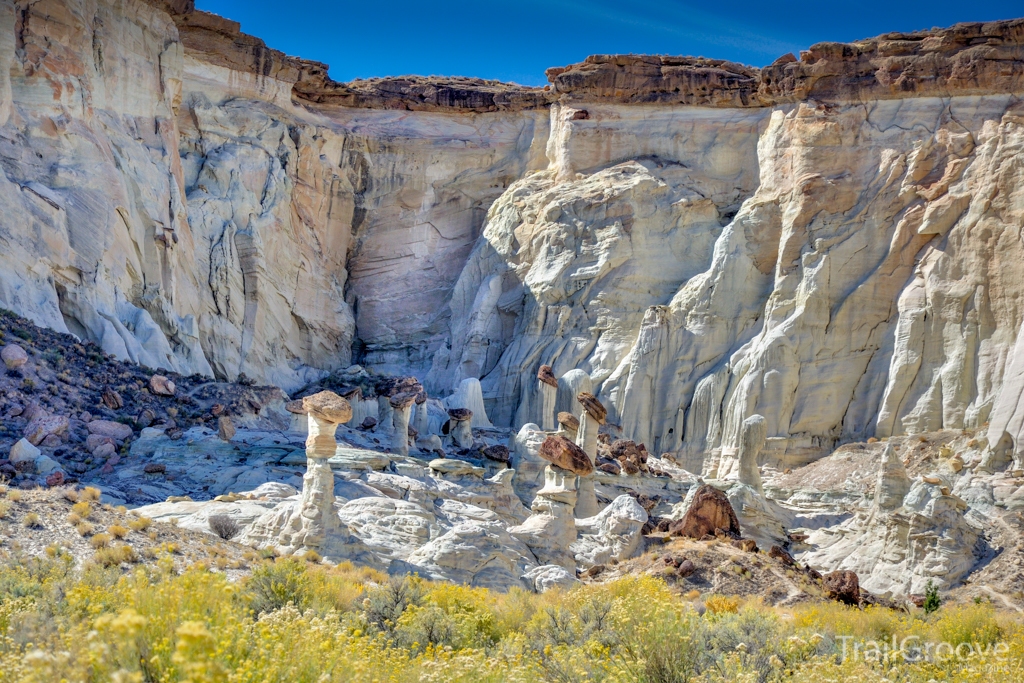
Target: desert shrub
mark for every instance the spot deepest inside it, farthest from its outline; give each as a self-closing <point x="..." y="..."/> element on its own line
<point x="31" y="521"/>
<point x="113" y="556"/>
<point x="742" y="642"/>
<point x="82" y="509"/>
<point x="836" y="619"/>
<point x="117" y="531"/>
<point x="977" y="623"/>
<point x="101" y="540"/>
<point x="5" y="508"/>
<point x="91" y="493"/>
<point x="450" y="616"/>
<point x="722" y="604"/>
<point x="932" y="602"/>
<point x="294" y="621"/>
<point x="224" y="526"/>
<point x="139" y="524"/>
<point x="272" y="585"/>
<point x="385" y="604"/>
<point x="23" y="576"/>
<point x="53" y="357"/>
<point x="84" y="528"/>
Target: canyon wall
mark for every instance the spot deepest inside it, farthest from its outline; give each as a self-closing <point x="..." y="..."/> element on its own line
<point x="832" y="242"/>
<point x="165" y="196"/>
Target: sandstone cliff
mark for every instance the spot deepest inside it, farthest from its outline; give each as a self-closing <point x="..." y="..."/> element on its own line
<point x="832" y="242"/>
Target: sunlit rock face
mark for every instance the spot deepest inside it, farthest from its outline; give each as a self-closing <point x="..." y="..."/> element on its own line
<point x="865" y="282"/>
<point x="831" y="242"/>
<point x="95" y="234"/>
<point x="572" y="257"/>
<point x="834" y="293"/>
<point x="171" y="227"/>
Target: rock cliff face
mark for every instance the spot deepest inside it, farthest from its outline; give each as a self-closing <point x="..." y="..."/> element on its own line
<point x="831" y="242"/>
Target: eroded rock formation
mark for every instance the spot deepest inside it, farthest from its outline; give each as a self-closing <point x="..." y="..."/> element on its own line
<point x="248" y="232"/>
<point x="743" y="267"/>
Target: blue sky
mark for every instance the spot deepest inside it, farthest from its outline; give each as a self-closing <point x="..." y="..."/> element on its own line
<point x="515" y="40"/>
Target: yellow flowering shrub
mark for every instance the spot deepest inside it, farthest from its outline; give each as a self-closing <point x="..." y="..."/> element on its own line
<point x="291" y="620"/>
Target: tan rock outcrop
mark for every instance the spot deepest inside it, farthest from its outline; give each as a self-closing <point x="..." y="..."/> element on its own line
<point x="709" y="513"/>
<point x="327" y="407"/>
<point x="569" y="423"/>
<point x="658" y="78"/>
<point x="966" y="59"/>
<point x="161" y="386"/>
<point x="423" y="93"/>
<point x="13" y="356"/>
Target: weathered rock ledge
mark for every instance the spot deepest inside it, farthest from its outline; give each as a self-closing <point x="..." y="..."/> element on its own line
<point x="643" y="79"/>
<point x="219" y="41"/>
<point x="965" y="59"/>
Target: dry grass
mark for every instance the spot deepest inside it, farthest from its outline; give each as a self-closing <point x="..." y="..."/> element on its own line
<point x="82" y="509"/>
<point x="100" y="540"/>
<point x="115" y="555"/>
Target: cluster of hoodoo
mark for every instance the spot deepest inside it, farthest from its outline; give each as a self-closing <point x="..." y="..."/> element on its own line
<point x="579" y="414"/>
<point x="401" y="416"/>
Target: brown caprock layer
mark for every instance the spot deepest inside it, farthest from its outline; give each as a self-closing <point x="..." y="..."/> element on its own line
<point x="965" y="59"/>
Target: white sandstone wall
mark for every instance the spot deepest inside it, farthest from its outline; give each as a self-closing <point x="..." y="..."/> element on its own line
<point x="569" y="261"/>
<point x="93" y="224"/>
<point x="190" y="216"/>
<point x="869" y="283"/>
<point x="842" y="270"/>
